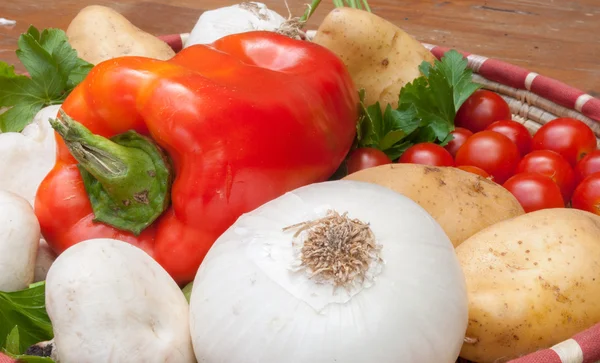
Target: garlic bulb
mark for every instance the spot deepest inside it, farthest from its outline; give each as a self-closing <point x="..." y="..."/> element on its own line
<point x="240" y="18"/>
<point x="340" y="271"/>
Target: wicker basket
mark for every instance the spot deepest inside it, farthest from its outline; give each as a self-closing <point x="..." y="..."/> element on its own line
<point x="534" y="100"/>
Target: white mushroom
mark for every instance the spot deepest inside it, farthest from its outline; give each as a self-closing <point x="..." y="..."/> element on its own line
<point x="111" y="302"/>
<point x="28" y="156"/>
<point x="43" y="261"/>
<point x="19" y="240"/>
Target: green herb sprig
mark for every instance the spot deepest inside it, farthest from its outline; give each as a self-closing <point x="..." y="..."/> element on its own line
<point x="23" y="319"/>
<point x="426" y="109"/>
<point x="54" y="69"/>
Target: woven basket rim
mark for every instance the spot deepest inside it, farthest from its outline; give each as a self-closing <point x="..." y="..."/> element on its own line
<point x="529" y="106"/>
<point x="533" y="108"/>
<point x="534" y="99"/>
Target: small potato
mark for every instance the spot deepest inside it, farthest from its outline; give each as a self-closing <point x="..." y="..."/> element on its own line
<point x="533" y="281"/>
<point x="381" y="57"/>
<point x="461" y="202"/>
<point x="99" y="33"/>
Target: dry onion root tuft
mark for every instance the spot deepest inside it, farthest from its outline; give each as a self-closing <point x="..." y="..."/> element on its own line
<point x="337" y="248"/>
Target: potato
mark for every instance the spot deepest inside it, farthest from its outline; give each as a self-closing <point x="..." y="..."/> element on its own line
<point x="99" y="33"/>
<point x="461" y="202"/>
<point x="380" y="57"/>
<point x="533" y="281"/>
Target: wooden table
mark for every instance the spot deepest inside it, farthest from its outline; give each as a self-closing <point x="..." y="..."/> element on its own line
<point x="557" y="38"/>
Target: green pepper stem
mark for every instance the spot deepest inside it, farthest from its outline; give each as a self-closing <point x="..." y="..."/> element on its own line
<point x="127" y="178"/>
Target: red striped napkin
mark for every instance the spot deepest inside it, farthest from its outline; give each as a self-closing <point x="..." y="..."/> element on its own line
<point x="6" y="359"/>
<point x="497" y="71"/>
<point x="582" y="348"/>
<point x="520" y="78"/>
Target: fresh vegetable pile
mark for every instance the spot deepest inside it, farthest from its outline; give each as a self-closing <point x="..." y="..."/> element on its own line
<point x="552" y="168"/>
<point x="268" y="196"/>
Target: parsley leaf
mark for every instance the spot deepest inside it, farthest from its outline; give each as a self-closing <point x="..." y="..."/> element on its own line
<point x="54" y="70"/>
<point x="32" y="359"/>
<point x="13" y="346"/>
<point x="426" y="109"/>
<point x="369" y="125"/>
<point x="454" y="68"/>
<point x="12" y="341"/>
<point x="24" y="311"/>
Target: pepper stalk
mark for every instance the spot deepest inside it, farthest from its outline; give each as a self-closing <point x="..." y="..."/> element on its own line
<point x="127" y="178"/>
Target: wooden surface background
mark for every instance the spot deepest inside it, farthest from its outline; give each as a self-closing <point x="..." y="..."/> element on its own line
<point x="557" y="38"/>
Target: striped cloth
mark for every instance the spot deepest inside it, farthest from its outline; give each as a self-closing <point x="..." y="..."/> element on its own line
<point x="585" y="346"/>
<point x="582" y="348"/>
<point x="520" y="78"/>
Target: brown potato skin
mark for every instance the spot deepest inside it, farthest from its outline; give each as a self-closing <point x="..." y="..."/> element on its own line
<point x="380" y="57"/>
<point x="461" y="202"/>
<point x="99" y="33"/>
<point x="533" y="282"/>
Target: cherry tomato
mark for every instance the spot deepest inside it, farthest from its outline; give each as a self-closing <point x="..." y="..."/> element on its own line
<point x="587" y="166"/>
<point x="552" y="165"/>
<point x="571" y="138"/>
<point x="460" y="136"/>
<point x="366" y="157"/>
<point x="481" y="109"/>
<point x="587" y="194"/>
<point x="427" y="153"/>
<point x="535" y="191"/>
<point x="476" y="170"/>
<point x="492" y="152"/>
<point x="516" y="132"/>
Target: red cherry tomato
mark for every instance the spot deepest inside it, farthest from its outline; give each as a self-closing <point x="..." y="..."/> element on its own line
<point x="535" y="191"/>
<point x="427" y="153"/>
<point x="480" y="110"/>
<point x="587" y="166"/>
<point x="571" y="138"/>
<point x="460" y="136"/>
<point x="552" y="165"/>
<point x="587" y="194"/>
<point x="476" y="170"/>
<point x="492" y="152"/>
<point x="516" y="132"/>
<point x="366" y="157"/>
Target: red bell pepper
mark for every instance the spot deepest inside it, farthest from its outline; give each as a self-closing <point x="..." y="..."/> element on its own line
<point x="233" y="125"/>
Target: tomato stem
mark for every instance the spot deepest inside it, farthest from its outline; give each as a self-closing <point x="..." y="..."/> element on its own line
<point x="127" y="178"/>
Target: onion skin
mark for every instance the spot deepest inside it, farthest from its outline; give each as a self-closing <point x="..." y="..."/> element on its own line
<point x="250" y="303"/>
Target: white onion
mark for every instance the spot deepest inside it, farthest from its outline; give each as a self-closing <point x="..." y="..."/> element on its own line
<point x="251" y="304"/>
<point x="240" y="18"/>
